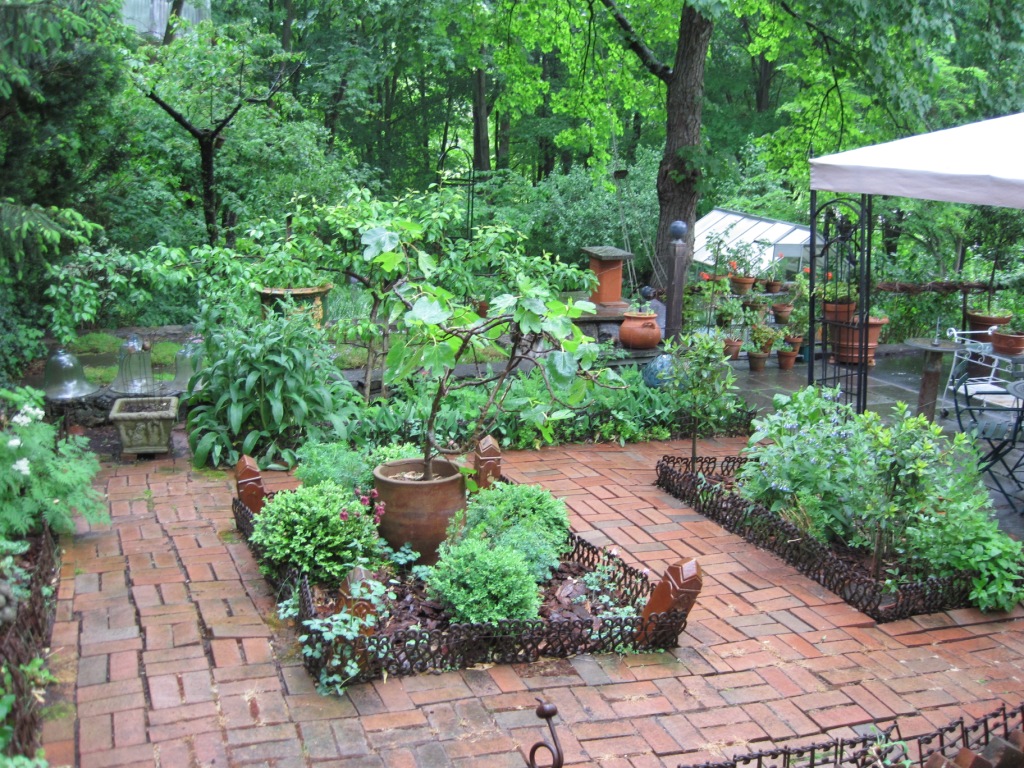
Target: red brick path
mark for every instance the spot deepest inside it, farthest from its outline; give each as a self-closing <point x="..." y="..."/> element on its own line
<point x="170" y="656"/>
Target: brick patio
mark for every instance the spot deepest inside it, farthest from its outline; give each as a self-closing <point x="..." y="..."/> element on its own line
<point x="169" y="653"/>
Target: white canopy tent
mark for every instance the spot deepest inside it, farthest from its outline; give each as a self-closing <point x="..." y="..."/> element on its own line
<point x="980" y="163"/>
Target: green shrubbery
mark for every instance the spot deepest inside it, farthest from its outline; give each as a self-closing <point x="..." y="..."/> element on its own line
<point x="320" y="530"/>
<point x="906" y="495"/>
<point x="321" y="462"/>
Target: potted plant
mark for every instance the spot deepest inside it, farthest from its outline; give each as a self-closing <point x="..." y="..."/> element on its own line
<point x="764" y="337"/>
<point x="756" y="358"/>
<point x="440" y="331"/>
<point x="787" y="354"/>
<point x="839" y="300"/>
<point x="741" y="259"/>
<point x="1009" y="340"/>
<point x="728" y="310"/>
<point x="847" y="347"/>
<point x="782" y="312"/>
<point x="640" y="329"/>
<point x="774" y="275"/>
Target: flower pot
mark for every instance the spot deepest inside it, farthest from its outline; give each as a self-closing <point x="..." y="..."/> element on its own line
<point x="144" y="423"/>
<point x="732" y="348"/>
<point x="839" y="311"/>
<point x="757" y="360"/>
<point x="782" y="313"/>
<point x="1008" y="343"/>
<point x="639" y="330"/>
<point x="309" y="299"/>
<point x="978" y="321"/>
<point x="847" y="342"/>
<point x="787" y="359"/>
<point x="740" y="285"/>
<point x="772" y="286"/>
<point x="757" y="307"/>
<point x="794" y="341"/>
<point x="417" y="512"/>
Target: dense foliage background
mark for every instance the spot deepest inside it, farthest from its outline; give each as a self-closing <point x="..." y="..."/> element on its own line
<point x="112" y="143"/>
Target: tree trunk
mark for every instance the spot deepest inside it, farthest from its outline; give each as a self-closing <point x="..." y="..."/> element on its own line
<point x="174" y="13"/>
<point x="206" y="152"/>
<point x="679" y="175"/>
<point x="481" y="139"/>
<point x="502" y="140"/>
<point x="286" y="25"/>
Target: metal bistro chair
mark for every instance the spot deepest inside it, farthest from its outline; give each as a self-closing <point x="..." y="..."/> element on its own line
<point x="993" y="418"/>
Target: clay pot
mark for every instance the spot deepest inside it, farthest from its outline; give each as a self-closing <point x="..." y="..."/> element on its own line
<point x="977" y="321"/>
<point x="782" y="313"/>
<point x="307" y="299"/>
<point x="732" y="348"/>
<point x="1008" y="343"/>
<point x="839" y="311"/>
<point x="757" y="361"/>
<point x="847" y="342"/>
<point x="740" y="285"/>
<point x="418" y="511"/>
<point x="787" y="359"/>
<point x="639" y="330"/>
<point x="772" y="286"/>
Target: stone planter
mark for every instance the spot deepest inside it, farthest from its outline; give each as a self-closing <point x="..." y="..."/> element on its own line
<point x="144" y="423"/>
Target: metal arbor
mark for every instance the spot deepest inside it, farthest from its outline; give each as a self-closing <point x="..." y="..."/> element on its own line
<point x="840" y="268"/>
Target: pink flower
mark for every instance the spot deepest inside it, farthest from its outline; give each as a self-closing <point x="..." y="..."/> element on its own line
<point x="343" y="515"/>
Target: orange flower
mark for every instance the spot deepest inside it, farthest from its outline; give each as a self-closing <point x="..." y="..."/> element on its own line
<point x="733" y="265"/>
<point x="705" y="276"/>
<point x="829" y="276"/>
<point x="807" y="270"/>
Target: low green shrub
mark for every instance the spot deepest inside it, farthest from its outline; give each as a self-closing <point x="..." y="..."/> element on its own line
<point x="526" y="518"/>
<point x="322" y="531"/>
<point x="348" y="467"/>
<point x="903" y="493"/>
<point x="482" y="582"/>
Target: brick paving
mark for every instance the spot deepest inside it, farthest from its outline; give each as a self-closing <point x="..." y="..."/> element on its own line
<point x="169" y="653"/>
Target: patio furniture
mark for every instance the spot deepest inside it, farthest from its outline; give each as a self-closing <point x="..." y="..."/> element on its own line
<point x="934" y="349"/>
<point x="993" y="417"/>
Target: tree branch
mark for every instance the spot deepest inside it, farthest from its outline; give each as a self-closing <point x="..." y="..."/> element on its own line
<point x="633" y="41"/>
<point x="179" y="118"/>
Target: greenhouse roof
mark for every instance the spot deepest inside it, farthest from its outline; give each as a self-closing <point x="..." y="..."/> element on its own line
<point x="771" y="238"/>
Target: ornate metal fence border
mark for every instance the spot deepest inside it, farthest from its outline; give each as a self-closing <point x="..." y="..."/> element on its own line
<point x="413" y="651"/>
<point x="23" y="640"/>
<point x="884" y="748"/>
<point x="687" y="481"/>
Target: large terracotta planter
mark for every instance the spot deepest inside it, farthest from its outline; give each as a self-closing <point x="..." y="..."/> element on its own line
<point x="847" y="341"/>
<point x="417" y="512"/>
<point x="1008" y="343"/>
<point x="144" y="423"/>
<point x="839" y="311"/>
<point x="980" y="322"/>
<point x="639" y="330"/>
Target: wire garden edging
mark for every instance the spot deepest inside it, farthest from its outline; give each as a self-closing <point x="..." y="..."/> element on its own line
<point x="413" y="651"/>
<point x="24" y="639"/>
<point x="687" y="481"/>
<point x="885" y="748"/>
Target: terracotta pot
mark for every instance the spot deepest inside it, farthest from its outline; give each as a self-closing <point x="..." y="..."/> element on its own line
<point x="1008" y="343"/>
<point x="977" y="321"/>
<point x="847" y="341"/>
<point x="757" y="360"/>
<point x="795" y="341"/>
<point x="839" y="311"/>
<point x="772" y="286"/>
<point x="732" y="348"/>
<point x="740" y="285"/>
<point x="639" y="330"/>
<point x="418" y="511"/>
<point x="787" y="359"/>
<point x="782" y="313"/>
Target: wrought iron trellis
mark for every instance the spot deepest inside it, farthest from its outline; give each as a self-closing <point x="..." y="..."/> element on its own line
<point x="468" y="181"/>
<point x="841" y="261"/>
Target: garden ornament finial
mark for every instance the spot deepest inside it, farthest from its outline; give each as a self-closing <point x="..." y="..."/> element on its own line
<point x="677" y="230"/>
<point x="547" y="711"/>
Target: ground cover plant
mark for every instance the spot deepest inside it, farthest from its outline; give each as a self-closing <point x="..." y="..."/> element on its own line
<point x="907" y="497"/>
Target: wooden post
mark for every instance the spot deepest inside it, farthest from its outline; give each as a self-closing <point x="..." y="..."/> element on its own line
<point x="677" y="281"/>
<point x="487" y="462"/>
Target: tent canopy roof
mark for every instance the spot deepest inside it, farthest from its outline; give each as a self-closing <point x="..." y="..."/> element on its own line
<point x="771" y="238"/>
<point x="980" y="163"/>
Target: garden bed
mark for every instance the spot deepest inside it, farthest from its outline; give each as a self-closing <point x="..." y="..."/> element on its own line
<point x="707" y="486"/>
<point x="401" y="649"/>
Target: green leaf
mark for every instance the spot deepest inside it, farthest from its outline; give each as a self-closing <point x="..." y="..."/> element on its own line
<point x="427" y="311"/>
<point x="561" y="368"/>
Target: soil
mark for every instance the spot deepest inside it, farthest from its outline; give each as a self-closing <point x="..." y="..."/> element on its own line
<point x="563" y="598"/>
